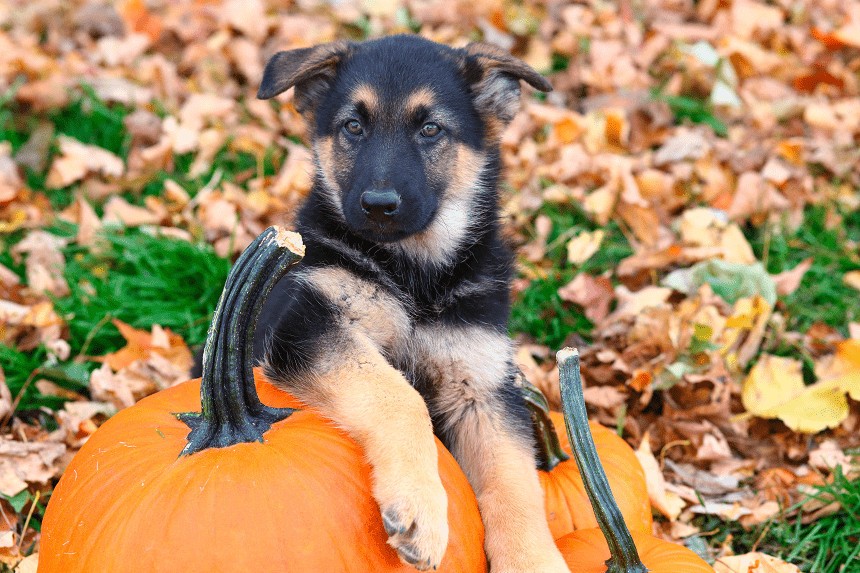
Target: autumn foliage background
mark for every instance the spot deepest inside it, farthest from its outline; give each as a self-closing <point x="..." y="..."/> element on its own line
<point x="685" y="206"/>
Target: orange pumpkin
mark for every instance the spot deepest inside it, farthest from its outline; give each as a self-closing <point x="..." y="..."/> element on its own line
<point x="586" y="551"/>
<point x="612" y="548"/>
<point x="565" y="498"/>
<point x="266" y="485"/>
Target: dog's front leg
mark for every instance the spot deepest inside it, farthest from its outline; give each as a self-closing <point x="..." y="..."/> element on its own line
<point x="499" y="461"/>
<point x="484" y="422"/>
<point x="354" y="386"/>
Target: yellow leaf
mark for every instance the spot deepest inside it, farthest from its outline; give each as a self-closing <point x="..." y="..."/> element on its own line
<point x="852" y="279"/>
<point x="843" y="369"/>
<point x="775" y="389"/>
<point x="581" y="248"/>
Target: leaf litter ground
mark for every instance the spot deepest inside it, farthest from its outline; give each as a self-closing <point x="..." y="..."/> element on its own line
<point x="685" y="206"/>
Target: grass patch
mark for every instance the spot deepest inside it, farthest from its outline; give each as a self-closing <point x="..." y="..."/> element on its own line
<point x="94" y="122"/>
<point x="141" y="280"/>
<point x="822" y="295"/>
<point x="539" y="311"/>
<point x="695" y="110"/>
<point x="828" y="545"/>
<point x="131" y="276"/>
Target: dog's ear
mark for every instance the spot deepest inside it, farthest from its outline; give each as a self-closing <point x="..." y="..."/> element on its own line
<point x="495" y="76"/>
<point x="309" y="69"/>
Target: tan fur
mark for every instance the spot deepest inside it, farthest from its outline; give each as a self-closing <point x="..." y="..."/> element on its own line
<point x="366" y="94"/>
<point x="356" y="387"/>
<point x="438" y="243"/>
<point x="422" y="98"/>
<point x="365" y="306"/>
<point x="327" y="166"/>
<point x="500" y="467"/>
<point x="469" y="365"/>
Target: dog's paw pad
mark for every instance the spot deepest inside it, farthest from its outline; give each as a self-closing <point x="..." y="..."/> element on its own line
<point x="417" y="528"/>
<point x="395" y="522"/>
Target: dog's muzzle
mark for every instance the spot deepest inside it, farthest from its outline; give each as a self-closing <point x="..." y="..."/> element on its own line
<point x="380" y="205"/>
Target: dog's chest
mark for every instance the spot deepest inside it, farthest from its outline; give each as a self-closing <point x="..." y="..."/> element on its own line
<point x="467" y="359"/>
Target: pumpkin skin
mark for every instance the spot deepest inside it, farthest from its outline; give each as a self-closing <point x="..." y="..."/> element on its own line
<point x="299" y="502"/>
<point x="586" y="551"/>
<point x="567" y="505"/>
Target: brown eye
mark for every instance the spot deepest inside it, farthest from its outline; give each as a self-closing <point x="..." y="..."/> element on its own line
<point x="431" y="129"/>
<point x="353" y="127"/>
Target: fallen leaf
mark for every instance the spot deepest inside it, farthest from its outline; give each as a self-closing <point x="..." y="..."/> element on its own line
<point x="27" y="462"/>
<point x="141" y="344"/>
<point x="788" y="281"/>
<point x="77" y="160"/>
<point x="45" y="262"/>
<point x="753" y="563"/>
<point x="775" y="389"/>
<point x="118" y="210"/>
<point x="583" y="246"/>
<point x="667" y="503"/>
<point x="731" y="281"/>
<point x="842" y="370"/>
<point x="29" y="564"/>
<point x="593" y="294"/>
<point x="852" y="279"/>
<point x="829" y="456"/>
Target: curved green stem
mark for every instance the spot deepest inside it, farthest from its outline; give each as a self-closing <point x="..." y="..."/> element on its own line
<point x="625" y="557"/>
<point x="549" y="452"/>
<point x="231" y="409"/>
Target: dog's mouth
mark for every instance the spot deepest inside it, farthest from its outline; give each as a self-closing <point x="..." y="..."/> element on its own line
<point x="382" y="233"/>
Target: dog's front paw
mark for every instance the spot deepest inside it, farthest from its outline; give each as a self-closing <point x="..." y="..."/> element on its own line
<point x="416" y="521"/>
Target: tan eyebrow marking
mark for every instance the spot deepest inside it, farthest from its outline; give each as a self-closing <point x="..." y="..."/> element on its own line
<point x="365" y="94"/>
<point x="421" y="98"/>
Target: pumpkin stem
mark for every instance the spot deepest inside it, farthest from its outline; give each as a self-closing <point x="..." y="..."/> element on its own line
<point x="231" y="409"/>
<point x="625" y="557"/>
<point x="549" y="452"/>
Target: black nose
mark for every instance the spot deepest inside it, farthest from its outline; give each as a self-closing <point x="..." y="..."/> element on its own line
<point x="380" y="204"/>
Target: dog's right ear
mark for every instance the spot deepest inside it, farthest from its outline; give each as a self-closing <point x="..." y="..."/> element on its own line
<point x="309" y="69"/>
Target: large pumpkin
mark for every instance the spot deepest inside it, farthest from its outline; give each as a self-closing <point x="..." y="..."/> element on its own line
<point x="566" y="501"/>
<point x="262" y="486"/>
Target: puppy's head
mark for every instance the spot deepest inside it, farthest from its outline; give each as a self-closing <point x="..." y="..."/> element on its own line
<point x="401" y="127"/>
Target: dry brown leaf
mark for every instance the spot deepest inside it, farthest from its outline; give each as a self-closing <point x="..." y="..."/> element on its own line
<point x="78" y="420"/>
<point x="583" y="246"/>
<point x="27" y="462"/>
<point x="667" y="503"/>
<point x="29" y="564"/>
<point x="45" y="262"/>
<point x="753" y="563"/>
<point x="593" y="294"/>
<point x="77" y="160"/>
<point x="141" y="345"/>
<point x="852" y="279"/>
<point x="118" y="210"/>
<point x="788" y="281"/>
<point x="5" y="397"/>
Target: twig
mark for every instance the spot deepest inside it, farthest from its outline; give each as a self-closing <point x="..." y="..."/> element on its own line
<point x="90" y="335"/>
<point x="27" y="521"/>
<point x="36" y="371"/>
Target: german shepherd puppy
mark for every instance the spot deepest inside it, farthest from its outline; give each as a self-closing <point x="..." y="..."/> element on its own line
<point x="395" y="323"/>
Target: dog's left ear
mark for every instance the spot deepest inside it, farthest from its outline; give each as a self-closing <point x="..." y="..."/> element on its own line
<point x="495" y="76"/>
<point x="309" y="69"/>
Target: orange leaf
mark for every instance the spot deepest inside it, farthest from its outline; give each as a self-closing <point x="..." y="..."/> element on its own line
<point x="142" y="344"/>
